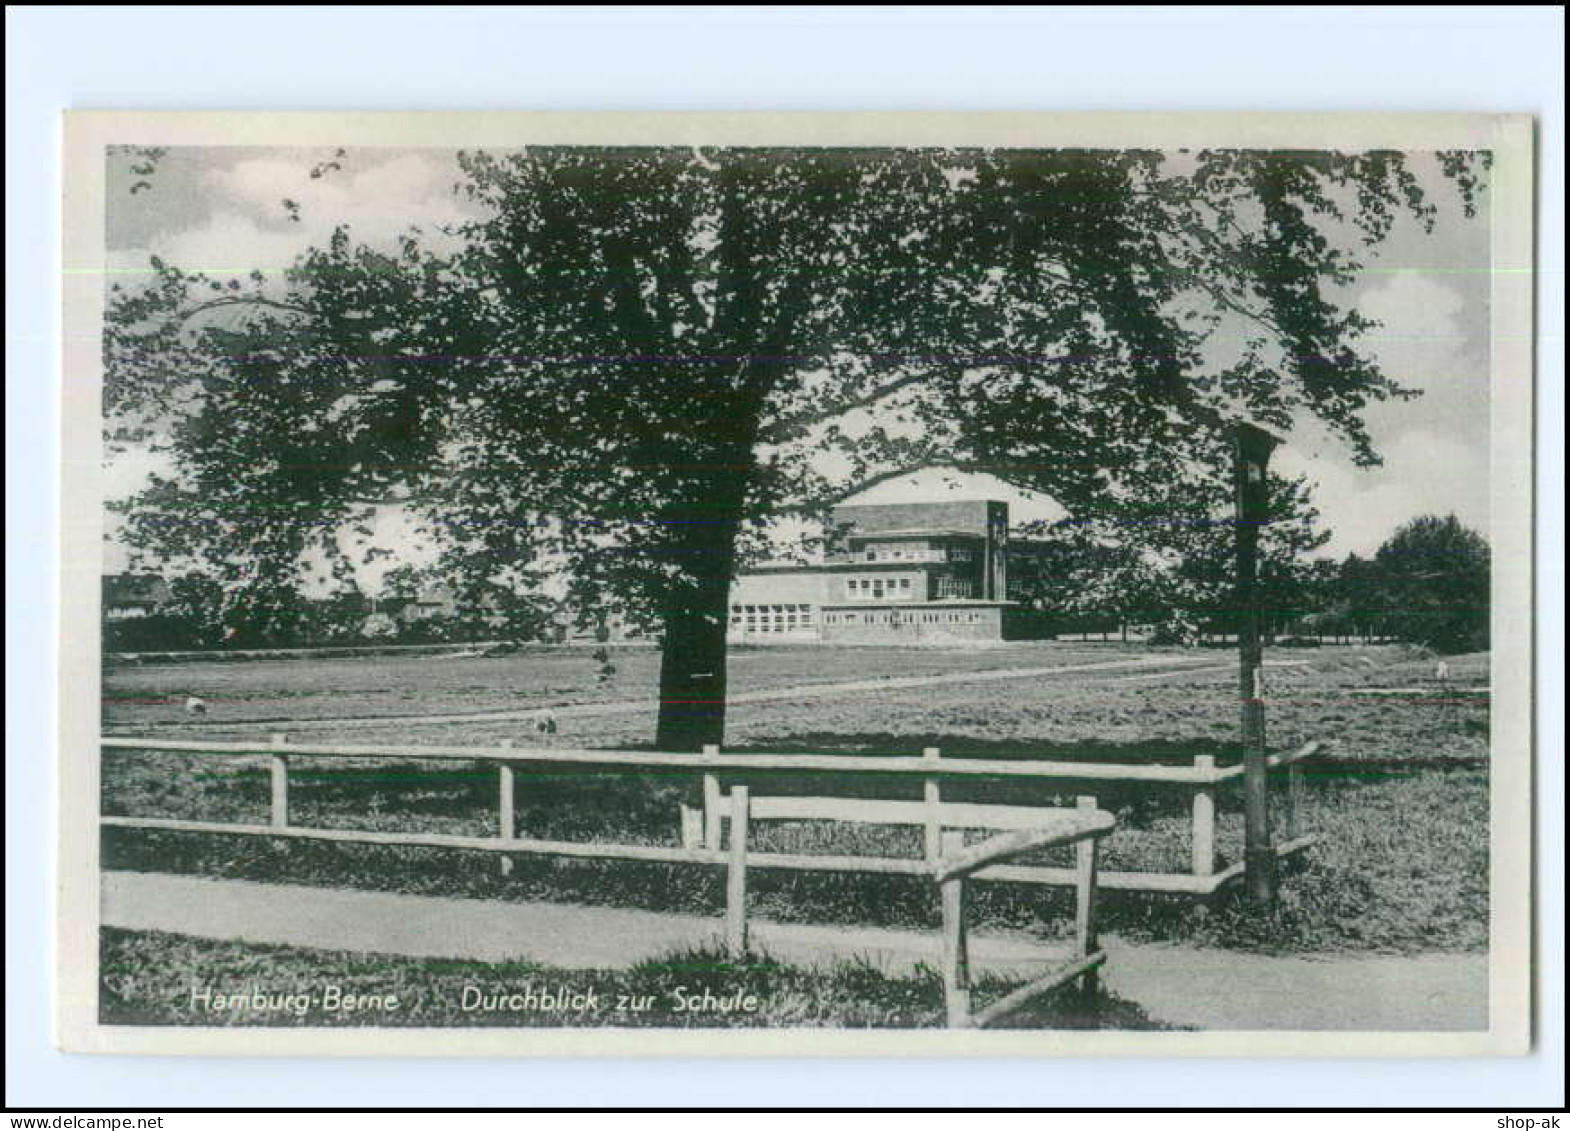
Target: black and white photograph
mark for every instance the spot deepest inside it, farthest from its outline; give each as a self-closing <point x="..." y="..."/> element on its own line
<point x="1016" y="583"/>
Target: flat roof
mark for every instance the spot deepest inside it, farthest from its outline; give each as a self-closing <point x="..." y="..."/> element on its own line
<point x="779" y="567"/>
<point x="885" y="565"/>
<point x="942" y="603"/>
<point x="914" y="532"/>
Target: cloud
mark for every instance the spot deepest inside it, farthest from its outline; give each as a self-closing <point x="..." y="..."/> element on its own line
<point x="1425" y="472"/>
<point x="1434" y="340"/>
<point x="377" y="200"/>
<point x="246" y="227"/>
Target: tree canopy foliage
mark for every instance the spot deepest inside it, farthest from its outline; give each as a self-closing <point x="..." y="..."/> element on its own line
<point x="1431" y="584"/>
<point x="1167" y="561"/>
<point x="631" y="363"/>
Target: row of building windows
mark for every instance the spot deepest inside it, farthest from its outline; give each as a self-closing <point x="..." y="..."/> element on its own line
<point x="901" y="553"/>
<point x="901" y="589"/>
<point x="895" y="617"/>
<point x="877" y="588"/>
<point x="956" y="587"/>
<point x="771" y="618"/>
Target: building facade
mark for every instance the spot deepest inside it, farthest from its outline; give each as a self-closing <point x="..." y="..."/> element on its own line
<point x="892" y="573"/>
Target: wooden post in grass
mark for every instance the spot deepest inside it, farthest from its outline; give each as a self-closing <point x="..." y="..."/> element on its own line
<point x="736" y="876"/>
<point x="712" y="813"/>
<point x="506" y="811"/>
<point x="956" y="960"/>
<point x="1252" y="500"/>
<point x="931" y="793"/>
<point x="1294" y="807"/>
<point x="278" y="771"/>
<point x="1085" y="899"/>
<point x="691" y="827"/>
<point x="1203" y="849"/>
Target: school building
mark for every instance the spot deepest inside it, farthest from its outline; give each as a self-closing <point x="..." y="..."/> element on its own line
<point x="892" y="573"/>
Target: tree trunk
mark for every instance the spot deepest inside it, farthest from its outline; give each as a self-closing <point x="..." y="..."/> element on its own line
<point x="696" y="617"/>
<point x="692" y="669"/>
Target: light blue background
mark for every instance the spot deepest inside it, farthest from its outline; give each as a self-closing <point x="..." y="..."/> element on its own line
<point x="1494" y="59"/>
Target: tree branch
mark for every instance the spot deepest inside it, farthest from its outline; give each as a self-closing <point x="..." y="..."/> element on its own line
<point x="244" y="300"/>
<point x="800" y="424"/>
<point x="871" y="481"/>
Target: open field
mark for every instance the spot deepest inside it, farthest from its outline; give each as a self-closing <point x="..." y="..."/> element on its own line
<point x="409" y="686"/>
<point x="1401" y="803"/>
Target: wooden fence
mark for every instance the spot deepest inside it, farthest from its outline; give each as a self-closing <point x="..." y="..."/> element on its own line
<point x="701" y="830"/>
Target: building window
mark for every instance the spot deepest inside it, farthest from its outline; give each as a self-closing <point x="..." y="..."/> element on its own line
<point x="953" y="587"/>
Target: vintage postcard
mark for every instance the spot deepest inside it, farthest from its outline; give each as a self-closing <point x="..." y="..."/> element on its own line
<point x="796" y="584"/>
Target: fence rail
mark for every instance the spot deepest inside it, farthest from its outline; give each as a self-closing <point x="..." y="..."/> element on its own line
<point x="701" y="831"/>
<point x="648" y="760"/>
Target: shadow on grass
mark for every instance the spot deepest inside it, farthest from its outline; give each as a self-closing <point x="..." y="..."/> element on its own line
<point x="1161" y="752"/>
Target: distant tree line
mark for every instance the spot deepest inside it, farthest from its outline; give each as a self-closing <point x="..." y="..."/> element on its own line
<point x="1428" y="584"/>
<point x="410" y="607"/>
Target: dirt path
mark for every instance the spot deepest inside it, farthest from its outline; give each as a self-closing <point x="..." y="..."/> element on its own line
<point x="627" y="706"/>
<point x="1207" y="989"/>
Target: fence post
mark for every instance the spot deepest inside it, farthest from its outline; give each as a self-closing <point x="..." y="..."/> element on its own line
<point x="956" y="960"/>
<point x="711" y="804"/>
<point x="506" y="825"/>
<point x="1252" y="449"/>
<point x="1204" y="806"/>
<point x="736" y="876"/>
<point x="1085" y="898"/>
<point x="932" y="795"/>
<point x="1294" y="801"/>
<point x="279" y="773"/>
<point x="691" y="828"/>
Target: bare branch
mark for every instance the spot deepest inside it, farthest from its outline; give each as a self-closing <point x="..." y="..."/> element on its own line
<point x="243" y="300"/>
<point x="800" y="424"/>
<point x="871" y="481"/>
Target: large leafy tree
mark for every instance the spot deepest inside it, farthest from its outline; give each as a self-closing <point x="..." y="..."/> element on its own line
<point x="633" y="362"/>
<point x="1167" y="559"/>
<point x="1432" y="577"/>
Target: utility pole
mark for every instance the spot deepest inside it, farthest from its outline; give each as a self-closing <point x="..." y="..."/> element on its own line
<point x="1252" y="449"/>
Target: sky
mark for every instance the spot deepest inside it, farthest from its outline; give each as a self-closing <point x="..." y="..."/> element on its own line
<point x="221" y="211"/>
